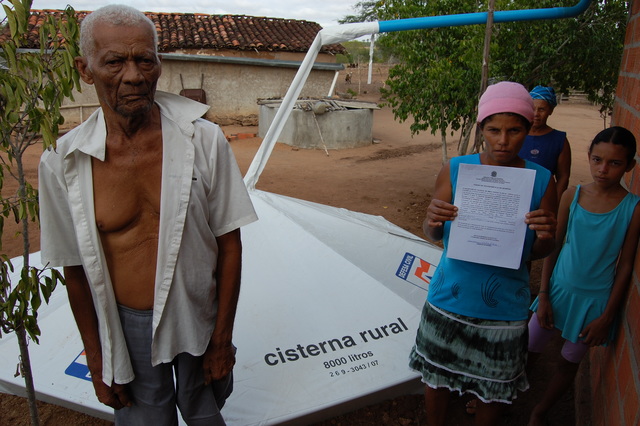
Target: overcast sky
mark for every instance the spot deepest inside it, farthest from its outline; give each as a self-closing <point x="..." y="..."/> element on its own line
<point x="324" y="12"/>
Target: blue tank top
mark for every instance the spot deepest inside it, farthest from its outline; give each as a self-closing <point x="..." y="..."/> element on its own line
<point x="585" y="270"/>
<point x="484" y="291"/>
<point x="544" y="149"/>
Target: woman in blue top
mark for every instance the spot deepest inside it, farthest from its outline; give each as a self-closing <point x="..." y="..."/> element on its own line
<point x="545" y="145"/>
<point x="585" y="280"/>
<point x="472" y="334"/>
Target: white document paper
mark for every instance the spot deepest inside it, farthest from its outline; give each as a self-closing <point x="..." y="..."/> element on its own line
<point x="492" y="202"/>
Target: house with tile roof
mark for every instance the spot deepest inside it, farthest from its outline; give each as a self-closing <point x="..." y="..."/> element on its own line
<point x="235" y="60"/>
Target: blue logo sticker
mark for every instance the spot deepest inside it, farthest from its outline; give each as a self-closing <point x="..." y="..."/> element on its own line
<point x="78" y="368"/>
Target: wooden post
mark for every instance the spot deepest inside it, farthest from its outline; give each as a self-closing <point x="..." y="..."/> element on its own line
<point x="477" y="146"/>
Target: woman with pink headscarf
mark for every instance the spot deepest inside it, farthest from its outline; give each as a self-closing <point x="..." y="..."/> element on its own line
<point x="472" y="336"/>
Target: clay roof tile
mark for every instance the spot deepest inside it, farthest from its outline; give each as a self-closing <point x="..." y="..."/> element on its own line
<point x="201" y="31"/>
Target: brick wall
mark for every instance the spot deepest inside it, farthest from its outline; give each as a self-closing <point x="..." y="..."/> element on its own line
<point x="615" y="371"/>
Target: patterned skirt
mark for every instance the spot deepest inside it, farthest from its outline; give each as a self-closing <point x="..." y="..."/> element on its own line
<point x="469" y="355"/>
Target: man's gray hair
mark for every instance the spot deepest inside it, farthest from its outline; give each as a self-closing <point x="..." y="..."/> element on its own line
<point x="113" y="14"/>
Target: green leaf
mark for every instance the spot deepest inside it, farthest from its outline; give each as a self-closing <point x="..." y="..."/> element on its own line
<point x="35" y="301"/>
<point x="46" y="289"/>
<point x="22" y="212"/>
<point x="57" y="277"/>
<point x="21" y="14"/>
<point x="11" y="19"/>
<point x="437" y="80"/>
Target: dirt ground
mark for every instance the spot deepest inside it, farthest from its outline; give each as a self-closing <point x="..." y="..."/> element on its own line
<point x="392" y="178"/>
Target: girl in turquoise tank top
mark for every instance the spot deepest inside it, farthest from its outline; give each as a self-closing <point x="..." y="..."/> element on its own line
<point x="584" y="281"/>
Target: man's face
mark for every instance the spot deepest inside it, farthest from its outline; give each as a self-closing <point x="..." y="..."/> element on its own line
<point x="124" y="69"/>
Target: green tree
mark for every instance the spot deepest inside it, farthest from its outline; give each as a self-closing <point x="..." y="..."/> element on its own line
<point x="438" y="79"/>
<point x="33" y="85"/>
<point x="581" y="53"/>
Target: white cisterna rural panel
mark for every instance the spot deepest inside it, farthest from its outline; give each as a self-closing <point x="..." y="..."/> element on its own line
<point x="328" y="311"/>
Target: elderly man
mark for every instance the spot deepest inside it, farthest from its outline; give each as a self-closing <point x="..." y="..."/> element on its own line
<point x="142" y="205"/>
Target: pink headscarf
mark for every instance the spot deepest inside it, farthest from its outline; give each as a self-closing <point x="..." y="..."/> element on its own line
<point x="505" y="96"/>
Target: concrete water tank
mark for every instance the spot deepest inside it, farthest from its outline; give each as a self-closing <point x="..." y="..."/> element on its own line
<point x="322" y="123"/>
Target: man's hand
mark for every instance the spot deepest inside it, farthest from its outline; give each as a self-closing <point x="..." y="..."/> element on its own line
<point x="81" y="302"/>
<point x="218" y="361"/>
<point x="115" y="396"/>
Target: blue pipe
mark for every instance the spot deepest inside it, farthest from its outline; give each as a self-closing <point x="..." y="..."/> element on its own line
<point x="481" y="18"/>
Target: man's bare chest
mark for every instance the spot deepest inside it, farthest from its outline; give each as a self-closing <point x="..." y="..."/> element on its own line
<point x="127" y="191"/>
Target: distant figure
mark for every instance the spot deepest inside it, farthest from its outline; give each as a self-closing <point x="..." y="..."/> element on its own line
<point x="585" y="280"/>
<point x="347" y="78"/>
<point x="472" y="336"/>
<point x="142" y="205"/>
<point x="545" y="145"/>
